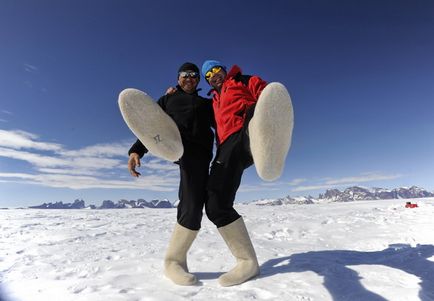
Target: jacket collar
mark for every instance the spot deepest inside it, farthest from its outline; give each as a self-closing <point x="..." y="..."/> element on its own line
<point x="233" y="72"/>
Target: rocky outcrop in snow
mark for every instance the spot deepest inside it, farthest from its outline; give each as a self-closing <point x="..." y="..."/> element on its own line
<point x="357" y="193"/>
<point x="78" y="204"/>
<point x="107" y="204"/>
<point x="351" y="194"/>
<point x="140" y="203"/>
<point x="285" y="201"/>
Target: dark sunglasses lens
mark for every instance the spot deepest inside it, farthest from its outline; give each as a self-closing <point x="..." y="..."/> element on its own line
<point x="188" y="74"/>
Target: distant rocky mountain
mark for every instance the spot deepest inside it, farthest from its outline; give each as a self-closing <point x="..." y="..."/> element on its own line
<point x="107" y="204"/>
<point x="140" y="203"/>
<point x="285" y="201"/>
<point x="357" y="193"/>
<point x="350" y="194"/>
<point x="78" y="204"/>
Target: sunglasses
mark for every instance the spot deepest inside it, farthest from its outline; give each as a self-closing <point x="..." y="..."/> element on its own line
<point x="213" y="71"/>
<point x="186" y="74"/>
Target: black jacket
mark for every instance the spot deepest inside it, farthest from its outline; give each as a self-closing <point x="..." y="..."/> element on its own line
<point x="194" y="117"/>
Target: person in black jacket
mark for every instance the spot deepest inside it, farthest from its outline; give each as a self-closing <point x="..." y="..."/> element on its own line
<point x="193" y="115"/>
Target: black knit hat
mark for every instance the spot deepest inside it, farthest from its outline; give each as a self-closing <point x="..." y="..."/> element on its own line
<point x="188" y="67"/>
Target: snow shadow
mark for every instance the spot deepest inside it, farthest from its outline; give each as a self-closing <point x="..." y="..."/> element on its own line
<point x="207" y="275"/>
<point x="344" y="283"/>
<point x="2" y="294"/>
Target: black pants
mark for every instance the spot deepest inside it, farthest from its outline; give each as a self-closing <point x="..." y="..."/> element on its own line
<point x="194" y="171"/>
<point x="232" y="158"/>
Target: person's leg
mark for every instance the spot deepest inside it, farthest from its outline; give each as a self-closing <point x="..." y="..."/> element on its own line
<point x="194" y="168"/>
<point x="194" y="172"/>
<point x="175" y="261"/>
<point x="225" y="177"/>
<point x="238" y="241"/>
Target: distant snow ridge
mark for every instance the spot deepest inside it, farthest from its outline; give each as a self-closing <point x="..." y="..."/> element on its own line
<point x="108" y="204"/>
<point x="78" y="204"/>
<point x="140" y="203"/>
<point x="350" y="194"/>
<point x="357" y="193"/>
<point x="285" y="201"/>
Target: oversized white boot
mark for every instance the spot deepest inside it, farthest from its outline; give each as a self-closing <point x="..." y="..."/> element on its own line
<point x="154" y="128"/>
<point x="237" y="238"/>
<point x="175" y="262"/>
<point x="270" y="131"/>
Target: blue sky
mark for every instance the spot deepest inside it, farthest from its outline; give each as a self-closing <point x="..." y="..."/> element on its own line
<point x="360" y="74"/>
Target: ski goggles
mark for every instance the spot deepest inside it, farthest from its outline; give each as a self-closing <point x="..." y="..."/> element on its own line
<point x="186" y="74"/>
<point x="213" y="71"/>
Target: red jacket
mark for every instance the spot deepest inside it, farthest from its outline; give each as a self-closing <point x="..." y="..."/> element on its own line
<point x="237" y="94"/>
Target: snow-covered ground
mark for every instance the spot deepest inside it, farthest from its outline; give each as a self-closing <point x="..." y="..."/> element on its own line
<point x="367" y="250"/>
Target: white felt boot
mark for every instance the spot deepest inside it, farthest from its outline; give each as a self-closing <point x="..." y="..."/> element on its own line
<point x="175" y="263"/>
<point x="150" y="124"/>
<point x="270" y="131"/>
<point x="237" y="238"/>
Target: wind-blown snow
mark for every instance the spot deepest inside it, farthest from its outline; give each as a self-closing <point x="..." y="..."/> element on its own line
<point x="367" y="250"/>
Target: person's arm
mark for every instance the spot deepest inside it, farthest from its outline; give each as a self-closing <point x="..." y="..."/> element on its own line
<point x="138" y="148"/>
<point x="162" y="101"/>
<point x="256" y="85"/>
<point x="133" y="162"/>
<point x="137" y="151"/>
<point x="171" y="90"/>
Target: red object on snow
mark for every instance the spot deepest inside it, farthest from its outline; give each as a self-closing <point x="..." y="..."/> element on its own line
<point x="410" y="205"/>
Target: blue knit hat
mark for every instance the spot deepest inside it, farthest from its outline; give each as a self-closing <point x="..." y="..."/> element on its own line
<point x="209" y="64"/>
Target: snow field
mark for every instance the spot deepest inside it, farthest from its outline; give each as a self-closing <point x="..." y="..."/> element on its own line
<point x="367" y="250"/>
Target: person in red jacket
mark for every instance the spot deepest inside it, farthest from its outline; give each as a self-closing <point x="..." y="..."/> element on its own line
<point x="234" y="100"/>
<point x="236" y="118"/>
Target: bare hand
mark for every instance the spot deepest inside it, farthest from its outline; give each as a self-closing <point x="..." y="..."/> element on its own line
<point x="134" y="161"/>
<point x="170" y="90"/>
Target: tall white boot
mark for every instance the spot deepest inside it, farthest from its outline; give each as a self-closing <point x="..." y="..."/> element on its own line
<point x="237" y="238"/>
<point x="270" y="131"/>
<point x="175" y="262"/>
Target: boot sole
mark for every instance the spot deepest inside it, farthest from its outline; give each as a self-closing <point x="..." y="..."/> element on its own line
<point x="270" y="131"/>
<point x="150" y="124"/>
